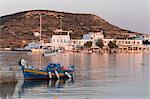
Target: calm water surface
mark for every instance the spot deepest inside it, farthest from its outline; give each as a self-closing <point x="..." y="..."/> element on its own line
<point x="98" y="76"/>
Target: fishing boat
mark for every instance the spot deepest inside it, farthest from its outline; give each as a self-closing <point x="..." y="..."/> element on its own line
<point x="51" y="71"/>
<point x="50" y="53"/>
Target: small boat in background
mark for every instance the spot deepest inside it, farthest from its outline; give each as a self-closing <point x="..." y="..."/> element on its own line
<point x="50" y="52"/>
<point x="20" y="49"/>
<point x="37" y="50"/>
<point x="51" y="71"/>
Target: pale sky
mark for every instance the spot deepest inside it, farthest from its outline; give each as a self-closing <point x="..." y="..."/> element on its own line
<point x="128" y="14"/>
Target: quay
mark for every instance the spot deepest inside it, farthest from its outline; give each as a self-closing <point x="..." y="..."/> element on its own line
<point x="8" y="83"/>
<point x="7" y="77"/>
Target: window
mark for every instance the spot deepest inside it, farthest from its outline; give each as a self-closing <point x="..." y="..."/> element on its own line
<point x="74" y="42"/>
<point x="64" y="40"/>
<point x="53" y="40"/>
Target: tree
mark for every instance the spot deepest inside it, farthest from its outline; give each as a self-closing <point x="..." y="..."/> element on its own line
<point x="112" y="44"/>
<point x="88" y="44"/>
<point x="99" y="43"/>
<point x="146" y="42"/>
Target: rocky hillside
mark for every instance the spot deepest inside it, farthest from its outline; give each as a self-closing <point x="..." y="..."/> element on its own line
<point x="18" y="28"/>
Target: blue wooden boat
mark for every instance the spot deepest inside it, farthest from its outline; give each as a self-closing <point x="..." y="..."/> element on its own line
<point x="51" y="71"/>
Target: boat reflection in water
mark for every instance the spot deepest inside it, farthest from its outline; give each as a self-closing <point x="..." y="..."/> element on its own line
<point x="45" y="84"/>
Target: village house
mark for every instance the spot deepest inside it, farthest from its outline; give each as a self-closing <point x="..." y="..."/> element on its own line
<point x="61" y="39"/>
<point x="123" y="42"/>
<point x="129" y="45"/>
<point x="91" y="36"/>
<point x="64" y="40"/>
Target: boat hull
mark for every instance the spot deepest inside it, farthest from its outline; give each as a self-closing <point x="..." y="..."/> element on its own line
<point x="30" y="74"/>
<point x="50" y="54"/>
<point x="37" y="51"/>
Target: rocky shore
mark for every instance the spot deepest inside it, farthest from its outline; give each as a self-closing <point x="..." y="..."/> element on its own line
<point x="7" y="77"/>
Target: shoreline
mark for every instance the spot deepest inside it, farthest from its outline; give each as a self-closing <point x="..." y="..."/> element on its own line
<point x="7" y="77"/>
<point x="88" y="51"/>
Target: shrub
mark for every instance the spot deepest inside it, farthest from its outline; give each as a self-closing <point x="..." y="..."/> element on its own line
<point x="88" y="44"/>
<point x="99" y="43"/>
<point x="112" y="44"/>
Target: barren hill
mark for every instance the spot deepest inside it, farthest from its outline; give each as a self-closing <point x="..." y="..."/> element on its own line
<point x="20" y="26"/>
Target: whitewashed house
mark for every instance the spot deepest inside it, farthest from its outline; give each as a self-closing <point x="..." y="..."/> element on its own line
<point x="61" y="40"/>
<point x="91" y="36"/>
<point x="79" y="42"/>
<point x="128" y="42"/>
<point x="96" y="35"/>
<point x="123" y="42"/>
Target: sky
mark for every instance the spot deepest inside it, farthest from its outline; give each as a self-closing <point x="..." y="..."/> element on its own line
<point x="128" y="14"/>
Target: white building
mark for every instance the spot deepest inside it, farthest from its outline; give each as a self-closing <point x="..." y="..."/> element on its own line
<point x="61" y="40"/>
<point x="67" y="43"/>
<point x="91" y="36"/>
<point x="79" y="42"/>
<point x="96" y="35"/>
<point x="128" y="42"/>
<point x="32" y="45"/>
<point x="123" y="42"/>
